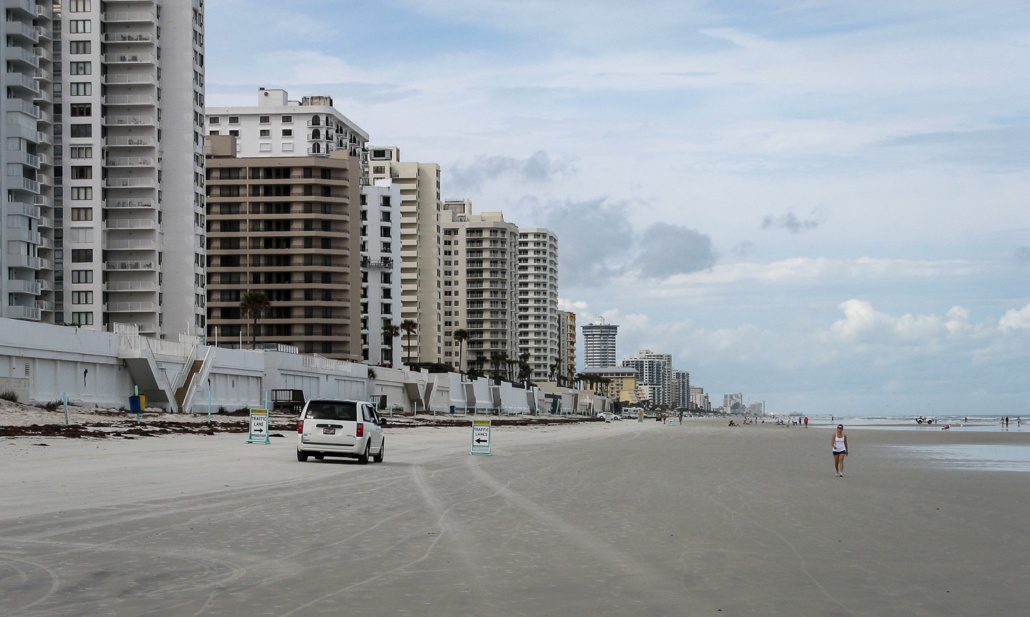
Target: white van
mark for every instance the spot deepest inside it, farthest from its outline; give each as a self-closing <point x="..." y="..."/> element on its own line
<point x="331" y="427"/>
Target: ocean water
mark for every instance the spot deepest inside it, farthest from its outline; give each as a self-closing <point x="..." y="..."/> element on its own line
<point x="995" y="457"/>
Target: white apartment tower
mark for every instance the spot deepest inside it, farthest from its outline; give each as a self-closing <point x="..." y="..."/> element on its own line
<point x="654" y="372"/>
<point x="599" y="344"/>
<point x="539" y="333"/>
<point x="480" y="253"/>
<point x="380" y="271"/>
<point x="118" y="203"/>
<point x="277" y="126"/>
<point x="27" y="276"/>
<point x="420" y="249"/>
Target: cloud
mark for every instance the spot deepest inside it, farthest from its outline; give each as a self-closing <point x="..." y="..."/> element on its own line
<point x="1016" y="320"/>
<point x="666" y="250"/>
<point x="594" y="238"/>
<point x="791" y="223"/>
<point x="1005" y="147"/>
<point x="537" y="168"/>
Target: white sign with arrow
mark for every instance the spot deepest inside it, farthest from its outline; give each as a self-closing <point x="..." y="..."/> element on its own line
<point x="480" y="437"/>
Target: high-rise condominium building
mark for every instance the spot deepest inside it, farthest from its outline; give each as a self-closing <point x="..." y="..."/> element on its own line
<point x="27" y="272"/>
<point x="420" y="249"/>
<point x="567" y="332"/>
<point x="654" y="373"/>
<point x="539" y="333"/>
<point x="381" y="272"/>
<point x="305" y="170"/>
<point x="480" y="253"/>
<point x="599" y="344"/>
<point x="680" y="389"/>
<point x="277" y="126"/>
<point x="115" y="231"/>
<point x="287" y="228"/>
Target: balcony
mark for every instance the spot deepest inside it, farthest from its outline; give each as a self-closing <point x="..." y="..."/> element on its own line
<point x="130" y="307"/>
<point x="41" y="74"/>
<point x="131" y="245"/>
<point x="120" y="204"/>
<point x="129" y="142"/>
<point x="136" y="224"/>
<point x="44" y="11"/>
<point x="23" y="30"/>
<point x="42" y="200"/>
<point x="130" y="286"/>
<point x="43" y="53"/>
<point x="135" y="120"/>
<point x="17" y="54"/>
<point x="27" y="7"/>
<point x="136" y="265"/>
<point x="129" y="58"/>
<point x="24" y="287"/>
<point x="43" y="137"/>
<point x="129" y="17"/>
<point x="130" y="99"/>
<point x="17" y="260"/>
<point x="16" y="80"/>
<point x="44" y="33"/>
<point x="21" y="209"/>
<point x="130" y="161"/>
<point x="131" y="79"/>
<point x="128" y="37"/>
<point x="43" y="96"/>
<point x="24" y="312"/>
<point x="115" y="183"/>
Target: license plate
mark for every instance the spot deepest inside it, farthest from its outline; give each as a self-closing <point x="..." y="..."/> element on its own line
<point x="329" y="431"/>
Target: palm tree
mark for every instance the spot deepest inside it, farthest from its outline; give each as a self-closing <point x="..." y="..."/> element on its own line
<point x="461" y="336"/>
<point x="390" y="332"/>
<point x="253" y="305"/>
<point x="410" y="326"/>
<point x="525" y="370"/>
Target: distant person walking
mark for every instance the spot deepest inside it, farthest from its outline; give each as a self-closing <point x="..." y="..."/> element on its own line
<point x="806" y="421"/>
<point x="840" y="450"/>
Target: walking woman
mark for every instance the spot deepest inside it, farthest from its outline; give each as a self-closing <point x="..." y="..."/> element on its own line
<point x="840" y="450"/>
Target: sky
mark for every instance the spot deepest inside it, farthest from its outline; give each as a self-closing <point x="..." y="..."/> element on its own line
<point x="824" y="206"/>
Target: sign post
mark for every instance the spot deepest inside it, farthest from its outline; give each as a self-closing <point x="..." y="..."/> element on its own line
<point x="258" y="426"/>
<point x="480" y="436"/>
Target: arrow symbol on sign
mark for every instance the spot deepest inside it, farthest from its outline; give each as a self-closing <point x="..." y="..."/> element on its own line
<point x="481" y="441"/>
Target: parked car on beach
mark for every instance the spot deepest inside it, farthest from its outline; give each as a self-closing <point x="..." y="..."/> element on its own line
<point x="332" y="427"/>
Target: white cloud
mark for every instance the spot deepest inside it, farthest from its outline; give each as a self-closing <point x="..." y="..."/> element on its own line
<point x="1017" y="319"/>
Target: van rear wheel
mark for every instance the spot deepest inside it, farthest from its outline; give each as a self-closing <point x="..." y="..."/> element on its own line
<point x="302" y="456"/>
<point x="363" y="459"/>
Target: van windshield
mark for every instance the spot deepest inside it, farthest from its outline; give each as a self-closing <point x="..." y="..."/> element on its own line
<point x="332" y="410"/>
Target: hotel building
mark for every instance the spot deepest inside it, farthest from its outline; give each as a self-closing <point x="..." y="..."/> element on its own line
<point x="538" y="329"/>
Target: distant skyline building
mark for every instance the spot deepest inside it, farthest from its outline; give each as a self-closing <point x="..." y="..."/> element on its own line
<point x="699" y="400"/>
<point x="567" y="330"/>
<point x="599" y="340"/>
<point x="680" y="388"/>
<point x="654" y="373"/>
<point x="380" y="271"/>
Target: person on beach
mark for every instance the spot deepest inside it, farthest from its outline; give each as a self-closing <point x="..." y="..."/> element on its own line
<point x="840" y="450"/>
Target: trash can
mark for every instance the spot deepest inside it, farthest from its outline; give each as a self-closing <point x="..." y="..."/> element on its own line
<point x="452" y="410"/>
<point x="135" y="405"/>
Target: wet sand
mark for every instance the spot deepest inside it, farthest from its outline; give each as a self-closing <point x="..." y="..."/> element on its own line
<point x="603" y="519"/>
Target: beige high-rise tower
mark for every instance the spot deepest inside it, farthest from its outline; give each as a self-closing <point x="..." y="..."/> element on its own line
<point x="420" y="249"/>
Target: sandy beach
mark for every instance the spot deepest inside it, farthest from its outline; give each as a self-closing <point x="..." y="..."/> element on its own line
<point x="605" y="519"/>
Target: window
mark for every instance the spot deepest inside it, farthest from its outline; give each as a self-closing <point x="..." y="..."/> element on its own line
<point x="80" y="256"/>
<point x="265" y="133"/>
<point x="78" y="6"/>
<point x="81" y="110"/>
<point x="81" y="152"/>
<point x="213" y="120"/>
<point x="82" y="214"/>
<point x="82" y="130"/>
<point x="79" y="47"/>
<point x="234" y="119"/>
<point x="82" y="276"/>
<point x="82" y="319"/>
<point x="287" y="132"/>
<point x="82" y="297"/>
<point x="80" y="68"/>
<point x="80" y="193"/>
<point x="263" y="119"/>
<point x="287" y="119"/>
<point x="234" y="133"/>
<point x="79" y="26"/>
<point x="81" y="88"/>
<point x="82" y="172"/>
<point x="379" y="169"/>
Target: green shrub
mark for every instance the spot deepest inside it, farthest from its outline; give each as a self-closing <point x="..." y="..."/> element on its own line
<point x="51" y="405"/>
<point x="9" y="396"/>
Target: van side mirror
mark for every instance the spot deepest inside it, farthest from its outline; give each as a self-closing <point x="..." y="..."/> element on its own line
<point x="382" y="422"/>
